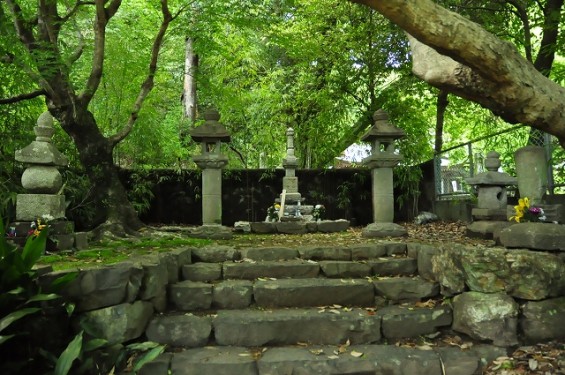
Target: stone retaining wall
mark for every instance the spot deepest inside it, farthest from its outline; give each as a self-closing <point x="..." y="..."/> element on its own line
<point x="496" y="295"/>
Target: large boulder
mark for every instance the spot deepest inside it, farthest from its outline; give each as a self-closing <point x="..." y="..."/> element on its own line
<point x="119" y="323"/>
<point x="544" y="320"/>
<point x="482" y="316"/>
<point x="524" y="274"/>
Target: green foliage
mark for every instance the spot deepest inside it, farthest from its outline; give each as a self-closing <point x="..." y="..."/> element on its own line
<point x="21" y="301"/>
<point x="140" y="193"/>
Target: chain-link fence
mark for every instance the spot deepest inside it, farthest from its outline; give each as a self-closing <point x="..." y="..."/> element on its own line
<point x="454" y="165"/>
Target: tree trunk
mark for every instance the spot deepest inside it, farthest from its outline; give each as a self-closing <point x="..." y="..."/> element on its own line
<point x="455" y="54"/>
<point x="189" y="88"/>
<point x="442" y="103"/>
<point x="114" y="213"/>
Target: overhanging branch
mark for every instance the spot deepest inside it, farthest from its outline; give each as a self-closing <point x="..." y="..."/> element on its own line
<point x="22" y="97"/>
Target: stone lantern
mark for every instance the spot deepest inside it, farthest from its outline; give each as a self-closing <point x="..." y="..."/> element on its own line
<point x="210" y="135"/>
<point x="382" y="160"/>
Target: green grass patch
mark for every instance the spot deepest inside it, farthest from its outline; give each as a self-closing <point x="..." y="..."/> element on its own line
<point x="110" y="252"/>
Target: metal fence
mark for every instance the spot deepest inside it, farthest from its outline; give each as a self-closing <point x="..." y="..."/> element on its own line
<point x="454" y="165"/>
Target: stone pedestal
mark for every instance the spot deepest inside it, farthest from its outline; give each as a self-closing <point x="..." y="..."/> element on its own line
<point x="32" y="206"/>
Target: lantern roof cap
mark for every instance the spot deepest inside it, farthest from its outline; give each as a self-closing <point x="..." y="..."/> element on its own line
<point x="211" y="130"/>
<point x="382" y="128"/>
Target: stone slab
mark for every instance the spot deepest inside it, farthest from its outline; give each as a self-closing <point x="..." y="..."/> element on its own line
<point x="185" y="330"/>
<point x="332" y="226"/>
<point x="269" y="253"/>
<point x="254" y="270"/>
<point x="345" y="269"/>
<point x="191" y="295"/>
<point x="367" y="251"/>
<point x="393" y="266"/>
<point x="290" y="227"/>
<point x="214" y="361"/>
<point x="313" y="292"/>
<point x="405" y="288"/>
<point x="372" y="359"/>
<point x="399" y="322"/>
<point x="202" y="271"/>
<point x="215" y="254"/>
<point x="377" y="230"/>
<point x="538" y="236"/>
<point x="232" y="294"/>
<point x="289" y="326"/>
<point x="325" y="253"/>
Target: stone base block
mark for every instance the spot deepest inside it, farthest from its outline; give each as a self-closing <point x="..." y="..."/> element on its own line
<point x="213" y="232"/>
<point x="33" y="206"/>
<point x="384" y="230"/>
<point x="500" y="214"/>
<point x="536" y="236"/>
<point x="81" y="240"/>
<point x="488" y="230"/>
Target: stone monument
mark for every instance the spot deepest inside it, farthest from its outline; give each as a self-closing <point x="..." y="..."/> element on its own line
<point x="42" y="180"/>
<point x="491" y="213"/>
<point x="211" y="161"/>
<point x="382" y="160"/>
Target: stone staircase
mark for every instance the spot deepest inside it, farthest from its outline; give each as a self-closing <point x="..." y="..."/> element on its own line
<point x="313" y="310"/>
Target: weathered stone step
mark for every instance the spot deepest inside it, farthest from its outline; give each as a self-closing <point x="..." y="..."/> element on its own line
<point x="328" y="325"/>
<point x="324" y="360"/>
<point x="219" y="254"/>
<point x="275" y="269"/>
<point x="305" y="292"/>
<point x="296" y="268"/>
<point x="313" y="292"/>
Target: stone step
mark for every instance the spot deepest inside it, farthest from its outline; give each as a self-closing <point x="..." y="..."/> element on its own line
<point x="305" y="292"/>
<point x="219" y="253"/>
<point x="296" y="268"/>
<point x="328" y="325"/>
<point x="313" y="292"/>
<point x="324" y="360"/>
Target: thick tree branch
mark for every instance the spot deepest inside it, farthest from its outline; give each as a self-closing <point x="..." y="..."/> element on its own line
<point x="522" y="14"/>
<point x="75" y="9"/>
<point x="552" y="20"/>
<point x="22" y="97"/>
<point x="103" y="15"/>
<point x="24" y="31"/>
<point x="486" y="70"/>
<point x="148" y="83"/>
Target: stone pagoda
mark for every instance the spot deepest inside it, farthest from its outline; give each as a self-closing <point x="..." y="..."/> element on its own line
<point x="42" y="180"/>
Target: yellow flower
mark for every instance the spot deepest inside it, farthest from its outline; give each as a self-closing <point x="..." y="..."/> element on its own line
<point x="277" y="206"/>
<point x="523" y="203"/>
